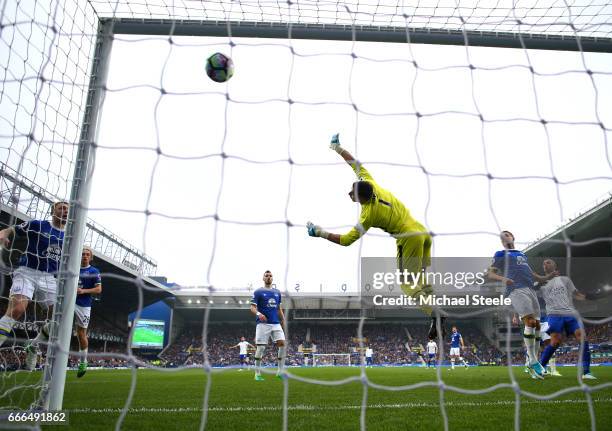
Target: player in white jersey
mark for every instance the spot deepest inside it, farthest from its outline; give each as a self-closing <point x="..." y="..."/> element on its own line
<point x="35" y="276"/>
<point x="432" y="351"/>
<point x="243" y="345"/>
<point x="369" y="353"/>
<point x="558" y="294"/>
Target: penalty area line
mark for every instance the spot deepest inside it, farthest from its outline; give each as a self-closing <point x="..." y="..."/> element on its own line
<point x="306" y="407"/>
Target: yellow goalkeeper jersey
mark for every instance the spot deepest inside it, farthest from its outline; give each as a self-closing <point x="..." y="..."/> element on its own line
<point x="383" y="211"/>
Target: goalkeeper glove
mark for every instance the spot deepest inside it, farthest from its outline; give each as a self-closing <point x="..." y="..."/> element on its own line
<point x="314" y="230"/>
<point x="335" y="143"/>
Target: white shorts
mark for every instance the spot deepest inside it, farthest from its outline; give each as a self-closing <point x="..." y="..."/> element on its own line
<point x="455" y="351"/>
<point x="265" y="331"/>
<point x="525" y="302"/>
<point x="34" y="284"/>
<point x="81" y="316"/>
<point x="543" y="329"/>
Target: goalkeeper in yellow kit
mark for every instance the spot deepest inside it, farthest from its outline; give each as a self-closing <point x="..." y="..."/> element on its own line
<point x="379" y="208"/>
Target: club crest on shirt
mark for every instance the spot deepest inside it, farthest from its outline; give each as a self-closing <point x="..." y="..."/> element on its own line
<point x="54" y="252"/>
<point x="271" y="302"/>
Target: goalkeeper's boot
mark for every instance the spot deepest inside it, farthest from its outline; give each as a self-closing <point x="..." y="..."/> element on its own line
<point x="588" y="376"/>
<point x="82" y="369"/>
<point x="31" y="357"/>
<point x="259" y="378"/>
<point x="538" y="370"/>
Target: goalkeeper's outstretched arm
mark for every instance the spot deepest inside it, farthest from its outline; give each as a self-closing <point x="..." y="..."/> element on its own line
<point x="348" y="157"/>
<point x="355" y="233"/>
<point x="318" y="231"/>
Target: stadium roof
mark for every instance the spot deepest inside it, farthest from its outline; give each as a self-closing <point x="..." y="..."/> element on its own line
<point x="590" y="234"/>
<point x="120" y="290"/>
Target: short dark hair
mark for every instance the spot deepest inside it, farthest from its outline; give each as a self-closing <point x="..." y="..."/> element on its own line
<point x="266" y="271"/>
<point x="363" y="191"/>
<point x="511" y="234"/>
<point x="54" y="204"/>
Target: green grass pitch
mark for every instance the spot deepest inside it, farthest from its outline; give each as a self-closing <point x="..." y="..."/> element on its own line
<point x="173" y="400"/>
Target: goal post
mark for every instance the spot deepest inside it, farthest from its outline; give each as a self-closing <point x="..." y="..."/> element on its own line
<point x="360" y="33"/>
<point x="331" y="359"/>
<point x="54" y="378"/>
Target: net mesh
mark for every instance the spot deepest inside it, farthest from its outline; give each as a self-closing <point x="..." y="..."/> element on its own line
<point x="46" y="62"/>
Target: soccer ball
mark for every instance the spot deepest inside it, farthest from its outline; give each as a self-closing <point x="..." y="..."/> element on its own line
<point x="219" y="67"/>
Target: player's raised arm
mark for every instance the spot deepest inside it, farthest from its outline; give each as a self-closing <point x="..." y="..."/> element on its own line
<point x="357" y="166"/>
<point x="335" y="145"/>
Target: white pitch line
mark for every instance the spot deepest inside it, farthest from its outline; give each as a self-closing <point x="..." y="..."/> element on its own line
<point x="305" y="407"/>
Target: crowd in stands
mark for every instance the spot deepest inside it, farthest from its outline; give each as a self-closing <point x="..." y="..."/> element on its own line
<point x="392" y="343"/>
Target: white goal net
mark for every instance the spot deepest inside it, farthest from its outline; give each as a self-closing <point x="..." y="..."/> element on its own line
<point x="478" y="115"/>
<point x="331" y="359"/>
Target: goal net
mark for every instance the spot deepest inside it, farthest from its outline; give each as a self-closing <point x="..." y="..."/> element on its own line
<point x="478" y="115"/>
<point x="331" y="359"/>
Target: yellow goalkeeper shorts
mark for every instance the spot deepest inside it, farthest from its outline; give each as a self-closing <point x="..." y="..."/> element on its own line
<point x="414" y="255"/>
<point x="414" y="252"/>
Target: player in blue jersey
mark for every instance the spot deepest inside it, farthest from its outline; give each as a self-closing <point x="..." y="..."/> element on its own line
<point x="456" y="346"/>
<point x="511" y="268"/>
<point x="90" y="283"/>
<point x="34" y="277"/>
<point x="266" y="306"/>
<point x="558" y="294"/>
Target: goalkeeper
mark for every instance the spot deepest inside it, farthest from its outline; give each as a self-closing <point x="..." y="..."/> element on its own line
<point x="379" y="208"/>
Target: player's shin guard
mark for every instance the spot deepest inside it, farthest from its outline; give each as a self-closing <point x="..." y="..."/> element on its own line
<point x="282" y="354"/>
<point x="529" y="339"/>
<point x="258" y="355"/>
<point x="553" y="365"/>
<point x="586" y="358"/>
<point x="547" y="354"/>
<point x="83" y="352"/>
<point x="6" y="326"/>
